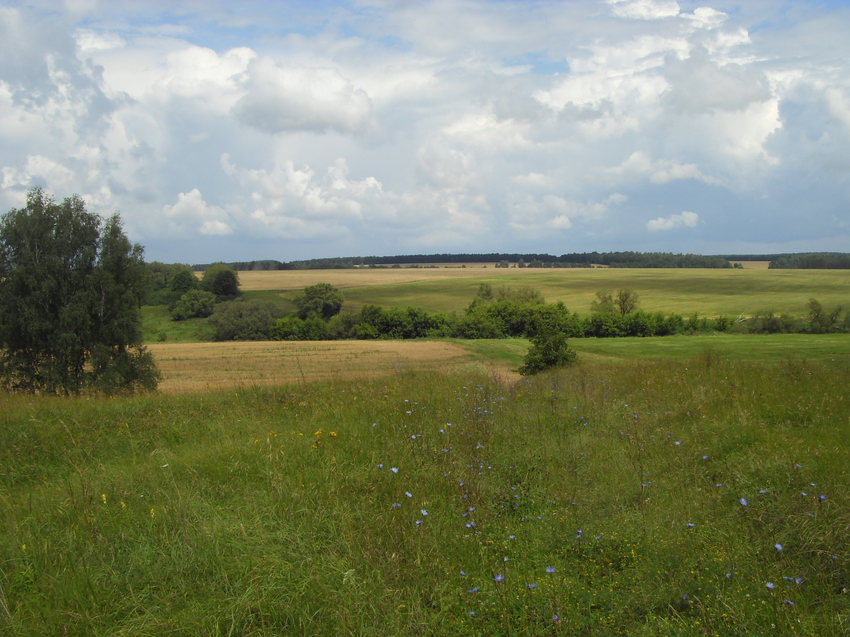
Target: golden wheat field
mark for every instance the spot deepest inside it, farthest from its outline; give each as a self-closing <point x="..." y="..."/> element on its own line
<point x="189" y="367"/>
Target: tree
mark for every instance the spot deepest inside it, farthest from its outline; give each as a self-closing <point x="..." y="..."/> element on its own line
<point x="321" y="300"/>
<point x="71" y="286"/>
<point x="603" y="304"/>
<point x="221" y="281"/>
<point x="549" y="348"/>
<point x="183" y="281"/>
<point x="626" y="301"/>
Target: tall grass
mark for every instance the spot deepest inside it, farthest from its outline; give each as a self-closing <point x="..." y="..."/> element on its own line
<point x="697" y="497"/>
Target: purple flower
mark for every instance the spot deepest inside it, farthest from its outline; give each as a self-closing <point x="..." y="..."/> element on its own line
<point x="532" y="585"/>
<point x="778" y="547"/>
<point x="743" y="502"/>
<point x="408" y="494"/>
<point x="770" y="585"/>
<point x="423" y="512"/>
<point x="498" y="578"/>
<point x="393" y="469"/>
<point x="690" y="525"/>
<point x="550" y="569"/>
<point x="473" y="590"/>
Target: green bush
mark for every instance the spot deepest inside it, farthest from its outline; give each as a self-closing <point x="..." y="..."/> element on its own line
<point x="194" y="304"/>
<point x="243" y="320"/>
<point x="548" y="350"/>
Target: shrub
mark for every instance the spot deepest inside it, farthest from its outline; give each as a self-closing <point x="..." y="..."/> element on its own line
<point x="243" y="320"/>
<point x="548" y="350"/>
<point x="194" y="304"/>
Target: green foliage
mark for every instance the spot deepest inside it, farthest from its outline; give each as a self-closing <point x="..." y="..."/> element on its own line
<point x="549" y="349"/>
<point x="221" y="281"/>
<point x="70" y="289"/>
<point x="243" y="320"/>
<point x="194" y="304"/>
<point x="322" y="300"/>
<point x="183" y="281"/>
<point x="292" y="328"/>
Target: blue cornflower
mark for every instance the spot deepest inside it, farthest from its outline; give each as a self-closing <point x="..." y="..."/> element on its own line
<point x="743" y="502"/>
<point x="498" y="578"/>
<point x="789" y="602"/>
<point x="474" y="589"/>
<point x="532" y="585"/>
<point x="690" y="525"/>
<point x="396" y="505"/>
<point x="770" y="585"/>
<point x="463" y="573"/>
<point x="550" y="569"/>
<point x="778" y="547"/>
<point x="418" y="522"/>
<point x="380" y="466"/>
<point x="394" y="469"/>
<point x="554" y="618"/>
<point x="408" y="494"/>
<point x="511" y="537"/>
<point x="821" y="497"/>
<point x="423" y="512"/>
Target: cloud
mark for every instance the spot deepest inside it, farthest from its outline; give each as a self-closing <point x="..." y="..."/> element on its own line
<point x="684" y="220"/>
<point x="191" y="213"/>
<point x="282" y="98"/>
<point x="699" y="84"/>
<point x="644" y="9"/>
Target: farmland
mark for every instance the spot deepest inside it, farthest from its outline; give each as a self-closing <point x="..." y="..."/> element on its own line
<point x="705" y="292"/>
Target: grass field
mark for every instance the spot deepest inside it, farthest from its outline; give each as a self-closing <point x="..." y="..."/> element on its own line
<point x="662" y="498"/>
<point x="684" y="291"/>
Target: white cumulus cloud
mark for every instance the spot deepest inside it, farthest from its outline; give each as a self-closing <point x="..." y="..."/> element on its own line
<point x="281" y="97"/>
<point x="684" y="220"/>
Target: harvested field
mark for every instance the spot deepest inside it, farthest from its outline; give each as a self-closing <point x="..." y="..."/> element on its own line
<point x="189" y="367"/>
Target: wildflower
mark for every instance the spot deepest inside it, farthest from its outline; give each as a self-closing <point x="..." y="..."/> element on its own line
<point x="380" y="466"/>
<point x="332" y="434"/>
<point x="743" y="502"/>
<point x="408" y="494"/>
<point x="789" y="602"/>
<point x="550" y="569"/>
<point x="474" y="589"/>
<point x="463" y="573"/>
<point x="511" y="537"/>
<point x="396" y="505"/>
<point x="554" y="618"/>
<point x="394" y="469"/>
<point x="822" y="498"/>
<point x="103" y="497"/>
<point x="418" y="522"/>
<point x="690" y="525"/>
<point x="152" y="513"/>
<point x="778" y="547"/>
<point x="498" y="578"/>
<point x="770" y="585"/>
<point x="423" y="512"/>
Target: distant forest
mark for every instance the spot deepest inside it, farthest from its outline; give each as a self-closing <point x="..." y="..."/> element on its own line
<point x="815" y="260"/>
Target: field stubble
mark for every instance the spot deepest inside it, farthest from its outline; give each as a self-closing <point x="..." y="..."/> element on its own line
<point x="189" y="367"/>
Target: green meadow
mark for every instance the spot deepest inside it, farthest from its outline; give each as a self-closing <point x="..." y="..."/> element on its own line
<point x="663" y="497"/>
<point x="674" y="486"/>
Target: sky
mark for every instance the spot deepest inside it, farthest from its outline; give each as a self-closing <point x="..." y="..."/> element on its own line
<point x="296" y="129"/>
